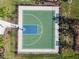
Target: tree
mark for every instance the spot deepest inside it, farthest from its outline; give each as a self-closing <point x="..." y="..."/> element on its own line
<point x="1" y="12"/>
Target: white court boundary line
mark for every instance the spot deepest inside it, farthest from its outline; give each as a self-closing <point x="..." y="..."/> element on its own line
<point x="37" y="51"/>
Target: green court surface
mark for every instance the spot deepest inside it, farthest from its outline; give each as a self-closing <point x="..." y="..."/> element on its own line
<point x="41" y="33"/>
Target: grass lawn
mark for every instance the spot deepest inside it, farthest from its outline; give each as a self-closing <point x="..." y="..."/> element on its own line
<point x="75" y="9"/>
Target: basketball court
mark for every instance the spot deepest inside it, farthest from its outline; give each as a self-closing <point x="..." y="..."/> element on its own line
<point x="39" y="32"/>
